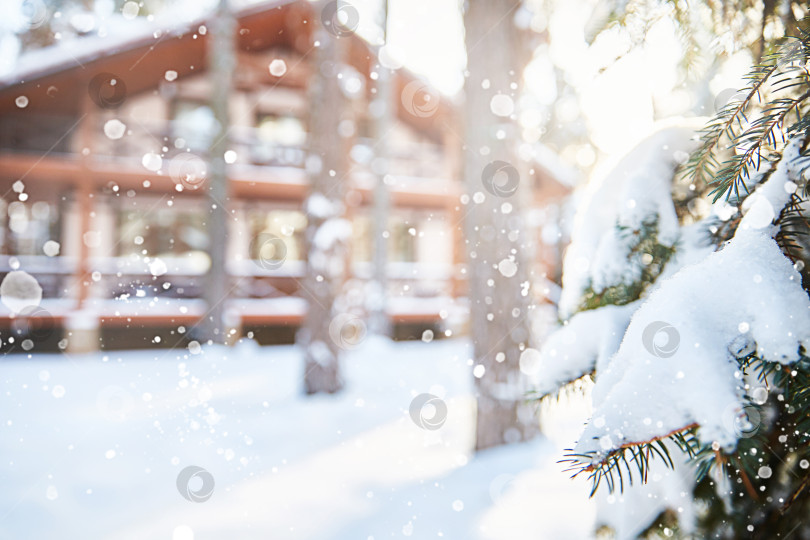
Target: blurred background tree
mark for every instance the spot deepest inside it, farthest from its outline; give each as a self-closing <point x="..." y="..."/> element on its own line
<point x="327" y="329"/>
<point x="497" y="244"/>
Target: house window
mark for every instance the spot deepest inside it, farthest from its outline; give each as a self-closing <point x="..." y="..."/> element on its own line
<point x="362" y="235"/>
<point x="194" y="123"/>
<point x="162" y="232"/>
<point x="284" y="130"/>
<point x="279" y="140"/>
<point x="29" y="226"/>
<point x="401" y="243"/>
<point x="266" y="226"/>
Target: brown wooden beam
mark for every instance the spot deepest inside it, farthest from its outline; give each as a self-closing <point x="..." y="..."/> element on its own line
<point x="247" y="183"/>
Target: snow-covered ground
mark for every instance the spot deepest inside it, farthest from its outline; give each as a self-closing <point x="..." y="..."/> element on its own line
<point x="92" y="446"/>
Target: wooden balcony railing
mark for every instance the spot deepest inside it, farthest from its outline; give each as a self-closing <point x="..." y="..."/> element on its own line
<point x="52" y="135"/>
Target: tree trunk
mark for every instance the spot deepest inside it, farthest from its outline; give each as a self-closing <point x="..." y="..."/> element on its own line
<point x="326" y="331"/>
<point x="222" y="61"/>
<point x="499" y="272"/>
<point x="381" y="117"/>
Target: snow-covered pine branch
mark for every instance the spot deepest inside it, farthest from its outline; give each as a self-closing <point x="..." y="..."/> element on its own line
<point x="692" y="386"/>
<point x="675" y="364"/>
<point x="605" y="273"/>
<point x="652" y="389"/>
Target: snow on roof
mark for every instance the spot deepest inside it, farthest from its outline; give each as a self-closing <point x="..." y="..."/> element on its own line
<point x="118" y="34"/>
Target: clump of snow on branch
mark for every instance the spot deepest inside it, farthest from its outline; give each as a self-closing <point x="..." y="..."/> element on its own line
<point x="637" y="191"/>
<point x="586" y="342"/>
<point x="663" y="363"/>
<point x="598" y="257"/>
<point x="589" y="339"/>
<point x="686" y="374"/>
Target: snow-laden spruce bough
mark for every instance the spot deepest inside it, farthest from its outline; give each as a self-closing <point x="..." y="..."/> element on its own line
<point x="683" y="371"/>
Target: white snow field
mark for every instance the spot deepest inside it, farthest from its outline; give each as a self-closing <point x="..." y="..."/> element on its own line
<point x="92" y="446"/>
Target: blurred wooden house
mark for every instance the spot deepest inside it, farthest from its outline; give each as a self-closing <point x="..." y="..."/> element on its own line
<point x="102" y="147"/>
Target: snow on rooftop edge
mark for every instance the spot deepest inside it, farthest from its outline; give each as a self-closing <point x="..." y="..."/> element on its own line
<point x="119" y="34"/>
